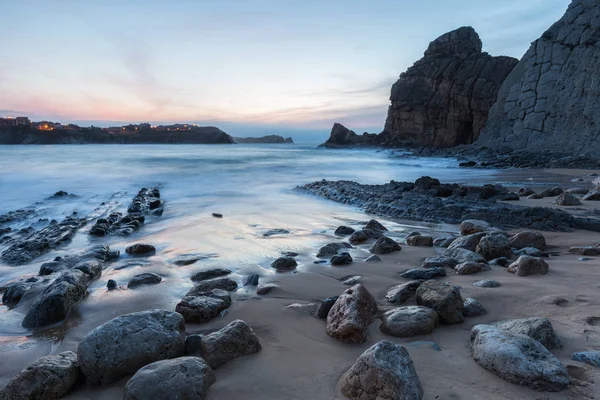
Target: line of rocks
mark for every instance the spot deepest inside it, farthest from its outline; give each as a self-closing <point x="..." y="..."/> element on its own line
<point x="429" y="200"/>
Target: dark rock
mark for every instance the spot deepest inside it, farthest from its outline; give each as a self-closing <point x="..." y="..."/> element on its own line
<point x="278" y="231"/>
<point x="251" y="280"/>
<point x="384" y="245"/>
<point x="375" y="225"/>
<point x="409" y="321"/>
<point x="467" y="164"/>
<point x="189" y="259"/>
<point x="384" y="371"/>
<point x="265" y="289"/>
<point x="577" y="190"/>
<point x="494" y="245"/>
<point x="235" y="340"/>
<point x="553" y="192"/>
<point x="181" y="378"/>
<point x="111" y="284"/>
<point x="350" y="280"/>
<point x="592" y="195"/>
<point x="325" y="306"/>
<point x="399" y="294"/>
<point x="439" y="261"/>
<point x="217" y="215"/>
<point x="463" y="255"/>
<point x="418" y="240"/>
<point x="528" y="239"/>
<point x="342" y="259"/>
<point x="141" y="249"/>
<point x="123" y="345"/>
<point x="226" y="284"/>
<point x="444" y="299"/>
<point x="529" y="251"/>
<point x="351" y="315"/>
<point x="469" y="268"/>
<point x="49" y="377"/>
<point x="423" y="273"/>
<point x="470" y="226"/>
<point x="589" y="357"/>
<point x="527" y="265"/>
<point x="193" y="345"/>
<point x="203" y="306"/>
<point x="373" y="258"/>
<point x="585" y="250"/>
<point x="443" y="241"/>
<point x="358" y="237"/>
<point x="524" y="192"/>
<point x="502" y="262"/>
<point x="566" y="199"/>
<point x="499" y="351"/>
<point x="284" y="264"/>
<point x="14" y="292"/>
<point x="144" y="279"/>
<point x="487" y="284"/>
<point x="473" y="308"/>
<point x="468" y="242"/>
<point x="344" y="230"/>
<point x="210" y="274"/>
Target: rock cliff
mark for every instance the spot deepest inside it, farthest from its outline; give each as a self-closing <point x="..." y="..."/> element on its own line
<point x="550" y="102"/>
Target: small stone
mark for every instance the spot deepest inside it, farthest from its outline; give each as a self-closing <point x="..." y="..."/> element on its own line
<point x="443" y="241"/>
<point x="468" y="242"/>
<point x="342" y="259"/>
<point x="141" y="249"/>
<point x="487" y="284"/>
<point x="463" y="255"/>
<point x="217" y="215"/>
<point x="284" y="264"/>
<point x="384" y="245"/>
<point x="251" y="280"/>
<point x="473" y="308"/>
<point x="226" y="284"/>
<point x="274" y="232"/>
<point x="529" y="251"/>
<point x="202" y="307"/>
<point x="144" y="279"/>
<point x="111" y="284"/>
<point x="493" y="245"/>
<point x="344" y="230"/>
<point x="421" y="241"/>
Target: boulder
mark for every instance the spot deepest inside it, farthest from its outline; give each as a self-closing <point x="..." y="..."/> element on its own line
<point x="566" y="199"/>
<point x="56" y="301"/>
<point x="47" y="378"/>
<point x="537" y="328"/>
<point x="418" y="240"/>
<point x="351" y="315"/>
<point x="577" y="190"/>
<point x="424" y="273"/>
<point x="589" y="357"/>
<point x="444" y="299"/>
<point x="358" y="237"/>
<point x="210" y="274"/>
<point x="204" y="306"/>
<point x="384" y="371"/>
<point x="517" y="358"/>
<point x="144" y="279"/>
<point x="470" y="268"/>
<point x="439" y="261"/>
<point x="470" y="226"/>
<point x="487" y="284"/>
<point x="325" y="306"/>
<point x="375" y="225"/>
<point x="14" y="292"/>
<point x="251" y="280"/>
<point x="284" y="264"/>
<point x="409" y="321"/>
<point x="443" y="241"/>
<point x="400" y="293"/>
<point x="236" y="339"/>
<point x="141" y="249"/>
<point x="494" y="245"/>
<point x="592" y="195"/>
<point x="473" y="308"/>
<point x="384" y="245"/>
<point x="180" y="378"/>
<point x="468" y="242"/>
<point x="125" y="344"/>
<point x="461" y="255"/>
<point x="341" y="259"/>
<point x="276" y="231"/>
<point x="344" y="230"/>
<point x="111" y="284"/>
<point x="527" y="265"/>
<point x="552" y="192"/>
<point x="524" y="192"/>
<point x="227" y="284"/>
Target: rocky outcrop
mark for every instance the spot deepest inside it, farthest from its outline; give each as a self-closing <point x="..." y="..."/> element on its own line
<point x="549" y="103"/>
<point x="444" y="98"/>
<point x="264" y="139"/>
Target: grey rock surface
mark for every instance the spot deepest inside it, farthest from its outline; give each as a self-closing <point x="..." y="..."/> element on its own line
<point x="444" y="299"/>
<point x="234" y="340"/>
<point x="409" y="321"/>
<point x="351" y="315"/>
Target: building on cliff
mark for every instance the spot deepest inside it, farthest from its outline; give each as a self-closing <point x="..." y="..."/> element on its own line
<point x="550" y="102"/>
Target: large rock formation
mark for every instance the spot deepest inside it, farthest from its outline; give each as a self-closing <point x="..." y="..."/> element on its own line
<point x="550" y="103"/>
<point x="442" y="100"/>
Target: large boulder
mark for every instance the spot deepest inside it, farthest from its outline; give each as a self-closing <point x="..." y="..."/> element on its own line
<point x="57" y="300"/>
<point x="444" y="98"/>
<point x="148" y="278"/>
<point x="351" y="315"/>
<point x="409" y="321"/>
<point x="385" y="245"/>
<point x="468" y="242"/>
<point x="528" y="239"/>
<point x="124" y="344"/>
<point x="549" y="103"/>
<point x="517" y="358"/>
<point x="494" y="245"/>
<point x="384" y="371"/>
<point x="47" y="378"/>
<point x="470" y="226"/>
<point x="400" y="293"/>
<point x="234" y="340"/>
<point x="204" y="306"/>
<point x="537" y="328"/>
<point x="185" y="378"/>
<point x="527" y="265"/>
<point x="444" y="299"/>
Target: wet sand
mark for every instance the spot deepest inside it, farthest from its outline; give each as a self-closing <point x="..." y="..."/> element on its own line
<point x="299" y="361"/>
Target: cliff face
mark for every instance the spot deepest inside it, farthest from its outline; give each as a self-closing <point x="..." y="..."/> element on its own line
<point x="444" y="98"/>
<point x="28" y="135"/>
<point x="550" y="102"/>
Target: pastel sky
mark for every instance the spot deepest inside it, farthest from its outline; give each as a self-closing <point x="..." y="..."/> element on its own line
<point x="243" y="64"/>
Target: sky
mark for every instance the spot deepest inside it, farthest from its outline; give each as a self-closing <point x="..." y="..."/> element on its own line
<point x="251" y="67"/>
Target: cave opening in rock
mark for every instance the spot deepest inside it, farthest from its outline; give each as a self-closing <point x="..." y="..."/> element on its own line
<point x="465" y="133"/>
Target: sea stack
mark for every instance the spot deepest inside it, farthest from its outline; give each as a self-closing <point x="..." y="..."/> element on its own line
<point x="444" y="98"/>
<point x="550" y="101"/>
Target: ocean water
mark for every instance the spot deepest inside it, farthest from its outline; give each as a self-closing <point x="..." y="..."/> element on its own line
<point x="251" y="185"/>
